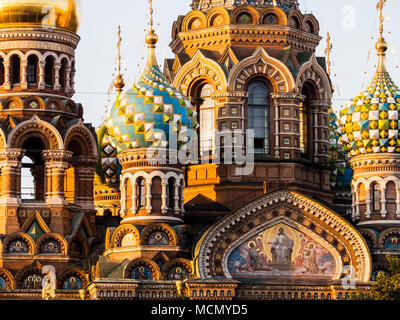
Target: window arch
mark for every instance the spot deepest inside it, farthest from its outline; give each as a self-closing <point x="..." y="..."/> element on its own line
<point x="141" y="193"/>
<point x="294" y="22"/>
<point x="63" y="73"/>
<point x="376" y="197"/>
<point x="15" y="70"/>
<point x="309" y="27"/>
<point x="270" y="19"/>
<point x="244" y="18"/>
<point x="259" y="116"/>
<point x="33" y="170"/>
<point x="306" y="121"/>
<point x="32" y="70"/>
<point x="2" y="71"/>
<point x="171" y="193"/>
<point x="49" y="71"/>
<point x="206" y="120"/>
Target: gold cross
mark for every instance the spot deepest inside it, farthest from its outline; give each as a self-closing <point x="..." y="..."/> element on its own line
<point x="151" y="14"/>
<point x="328" y="51"/>
<point x="380" y="6"/>
<point x="119" y="49"/>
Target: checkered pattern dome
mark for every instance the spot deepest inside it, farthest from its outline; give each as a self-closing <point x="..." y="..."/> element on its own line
<point x="109" y="161"/>
<point x="342" y="173"/>
<point x="371" y="123"/>
<point x="151" y="113"/>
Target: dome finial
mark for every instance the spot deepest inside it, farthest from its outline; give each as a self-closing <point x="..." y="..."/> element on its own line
<point x="119" y="81"/>
<point x="381" y="45"/>
<point x="328" y="51"/>
<point x="151" y="39"/>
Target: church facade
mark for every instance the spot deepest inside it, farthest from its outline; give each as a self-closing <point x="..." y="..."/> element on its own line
<point x="150" y="206"/>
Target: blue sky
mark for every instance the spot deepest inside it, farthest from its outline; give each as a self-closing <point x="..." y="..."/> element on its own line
<point x="350" y="22"/>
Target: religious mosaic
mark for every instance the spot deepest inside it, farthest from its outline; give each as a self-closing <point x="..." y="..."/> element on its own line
<point x="283" y="252"/>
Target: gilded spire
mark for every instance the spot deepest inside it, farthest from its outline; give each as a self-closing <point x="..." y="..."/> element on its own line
<point x="151" y="39"/>
<point x="328" y="51"/>
<point x="381" y="45"/>
<point x="119" y="81"/>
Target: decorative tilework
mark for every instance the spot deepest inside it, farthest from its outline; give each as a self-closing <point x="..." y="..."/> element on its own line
<point x="151" y="113"/>
<point x="371" y="123"/>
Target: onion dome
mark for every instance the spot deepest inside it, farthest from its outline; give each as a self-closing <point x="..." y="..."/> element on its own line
<point x="370" y="124"/>
<point x="40" y="13"/>
<point x="152" y="112"/>
<point x="342" y="173"/>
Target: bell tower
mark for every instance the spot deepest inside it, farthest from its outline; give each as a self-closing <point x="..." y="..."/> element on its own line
<point x="43" y="141"/>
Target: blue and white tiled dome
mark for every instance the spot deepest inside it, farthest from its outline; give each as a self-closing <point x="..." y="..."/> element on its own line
<point x="151" y="113"/>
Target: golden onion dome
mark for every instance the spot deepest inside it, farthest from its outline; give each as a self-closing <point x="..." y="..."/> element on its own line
<point x="61" y="14"/>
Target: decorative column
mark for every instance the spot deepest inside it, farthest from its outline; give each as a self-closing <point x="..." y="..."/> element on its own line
<point x="7" y="80"/>
<point x="164" y="197"/>
<point x="72" y="91"/>
<point x="182" y="200"/>
<point x="85" y="167"/>
<point x="39" y="181"/>
<point x="277" y="133"/>
<point x="357" y="204"/>
<point x="10" y="171"/>
<point x="397" y="201"/>
<point x="368" y="202"/>
<point x="383" y="202"/>
<point x="148" y="197"/>
<point x="10" y="163"/>
<point x="316" y="135"/>
<point x="176" y="198"/>
<point x="56" y="162"/>
<point x="57" y="67"/>
<point x="67" y="79"/>
<point x="42" y="71"/>
<point x="24" y="72"/>
<point x="134" y="197"/>
<point x="123" y="201"/>
<point x="353" y="207"/>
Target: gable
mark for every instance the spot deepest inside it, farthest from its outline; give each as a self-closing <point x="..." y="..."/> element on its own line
<point x="35" y="226"/>
<point x="201" y="202"/>
<point x="293" y="211"/>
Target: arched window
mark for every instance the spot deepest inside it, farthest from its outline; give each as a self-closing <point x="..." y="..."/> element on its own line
<point x="27" y="179"/>
<point x="15" y="70"/>
<point x="171" y="193"/>
<point x="141" y="193"/>
<point x="63" y="74"/>
<point x="206" y="120"/>
<point x="49" y="71"/>
<point x="33" y="170"/>
<point x="258" y="116"/>
<point x="306" y="121"/>
<point x="294" y="22"/>
<point x="32" y="70"/>
<point x="309" y="27"/>
<point x="376" y="199"/>
<point x="1" y="71"/>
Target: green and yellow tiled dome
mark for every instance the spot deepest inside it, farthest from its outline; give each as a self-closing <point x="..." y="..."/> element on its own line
<point x="371" y="123"/>
<point x="151" y="113"/>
